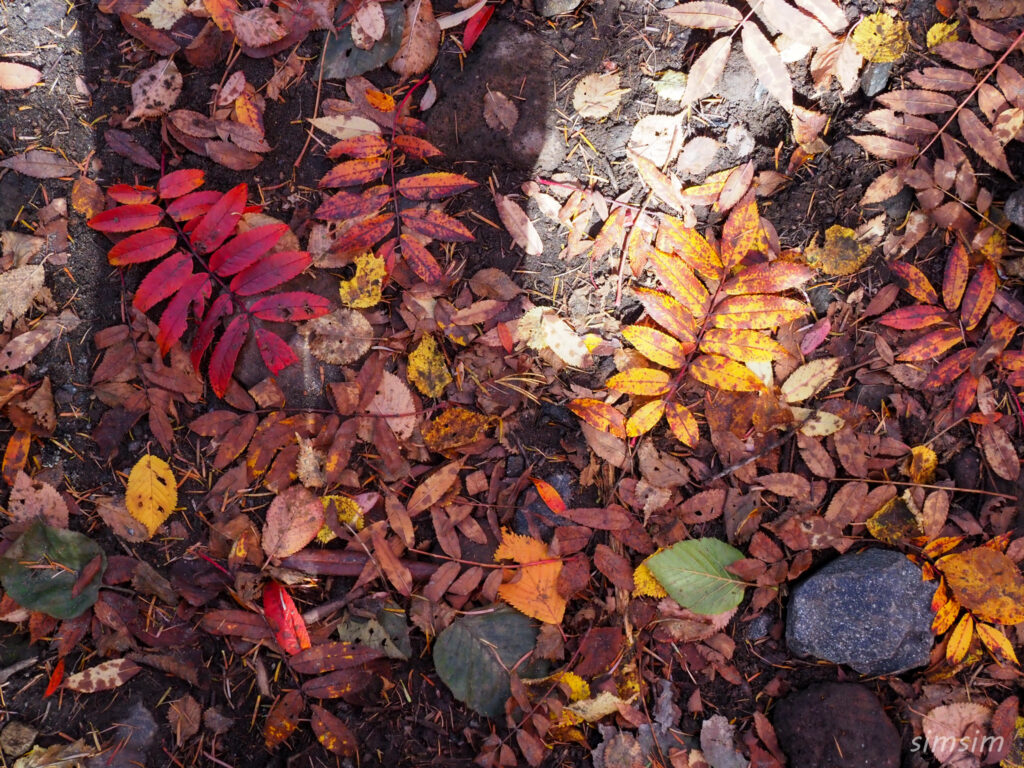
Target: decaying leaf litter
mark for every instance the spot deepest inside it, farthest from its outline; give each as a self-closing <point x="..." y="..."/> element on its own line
<point x="447" y="467"/>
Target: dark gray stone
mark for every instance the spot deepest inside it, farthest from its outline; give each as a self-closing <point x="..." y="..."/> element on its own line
<point x="536" y="518"/>
<point x="549" y="8"/>
<point x="874" y="78"/>
<point x="836" y="725"/>
<point x="1014" y="208"/>
<point x="869" y="610"/>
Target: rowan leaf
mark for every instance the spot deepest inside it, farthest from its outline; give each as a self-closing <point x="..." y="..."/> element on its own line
<point x="646" y="382"/>
<point x="757" y="312"/>
<point x="127" y="218"/>
<point x="143" y="246"/>
<point x="997" y="643"/>
<point x="658" y="347"/>
<point x="436" y="225"/>
<point x="768" y="64"/>
<point x="680" y="281"/>
<point x="289" y="307"/>
<point x="742" y="346"/>
<point x="645" y="418"/>
<point x="178" y="183"/>
<point x="706" y="71"/>
<point x="959" y="642"/>
<point x="772" y="277"/>
<point x="600" y="415"/>
<point x="982" y="141"/>
<point x="704" y="14"/>
<point x="284" y="619"/>
<point x="549" y="495"/>
<point x="809" y="379"/>
<point x="434" y="186"/>
<point x="978" y="295"/>
<point x="246" y="248"/>
<point x="18" y="77"/>
<point x="693" y="573"/>
<point x="682" y="423"/>
<point x="932" y="345"/>
<point x="270" y="271"/>
<point x="332" y="732"/>
<point x="217" y="224"/>
<point x="427" y="368"/>
<point x="283" y="719"/>
<point x="152" y="492"/>
<point x="726" y="374"/>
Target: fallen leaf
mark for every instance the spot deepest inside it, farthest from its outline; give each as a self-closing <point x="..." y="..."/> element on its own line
<point x="842" y="253"/>
<point x="103" y="677"/>
<point x="39" y="164"/>
<point x="533" y="588"/>
<point x="293" y="520"/>
<point x="880" y="38"/>
<point x="162" y="14"/>
<point x="152" y="492"/>
<point x="598" y="94"/>
<point x="155" y="91"/>
<point x="518" y="225"/>
<point x="427" y="368"/>
<point x="339" y="338"/>
<point x="500" y="112"/>
<point x="420" y="40"/>
<point x="17" y="77"/>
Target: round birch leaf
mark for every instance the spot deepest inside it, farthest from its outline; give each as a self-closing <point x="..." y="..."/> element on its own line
<point x="339" y="338"/>
<point x="500" y="112"/>
<point x="987" y="583"/>
<point x="693" y="573"/>
<point x="597" y="94"/>
<point x="293" y="520"/>
<point x="152" y="492"/>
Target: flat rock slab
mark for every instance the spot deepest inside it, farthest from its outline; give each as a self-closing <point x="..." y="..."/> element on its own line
<point x="870" y="610"/>
<point x="836" y="725"/>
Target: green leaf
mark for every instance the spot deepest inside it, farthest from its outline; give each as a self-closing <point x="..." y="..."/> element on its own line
<point x="387" y="631"/>
<point x="473" y="654"/>
<point x="40" y="569"/>
<point x="342" y="59"/>
<point x="693" y="573"/>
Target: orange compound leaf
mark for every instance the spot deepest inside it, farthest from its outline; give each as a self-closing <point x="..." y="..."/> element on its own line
<point x="225" y="354"/>
<point x="682" y="423"/>
<point x="754" y="312"/>
<point x="742" y="233"/>
<point x="284" y="619"/>
<point x="669" y="314"/>
<point x="162" y="282"/>
<point x="127" y="218"/>
<point x="773" y="277"/>
<point x="645" y="418"/>
<point x="421" y="261"/>
<point x="131" y="194"/>
<point x="283" y="719"/>
<point x="193" y="205"/>
<point x="56" y="678"/>
<point x="978" y="295"/>
<point x="965" y="395"/>
<point x="646" y="382"/>
<point x="686" y="242"/>
<point x="434" y="186"/>
<point x="363" y="145"/>
<point x="656" y="346"/>
<point x="960" y="640"/>
<point x="914" y="282"/>
<point x="913" y="318"/>
<point x="347" y="205"/>
<point x="680" y="281"/>
<point x="220" y="221"/>
<point x="332" y="732"/>
<point x="290" y="307"/>
<point x="274" y="350"/>
<point x="416" y="147"/>
<point x="931" y="345"/>
<point x="352" y="173"/>
<point x="726" y="374"/>
<point x="743" y="346"/>
<point x="243" y="250"/>
<point x="954" y="280"/>
<point x="997" y="643"/>
<point x="269" y="272"/>
<point x="143" y="246"/>
<point x="220" y="309"/>
<point x="436" y="225"/>
<point x="174" y="320"/>
<point x="178" y="183"/>
<point x="950" y="369"/>
<point x="475" y="26"/>
<point x="945" y="616"/>
<point x="600" y="415"/>
<point x="549" y="495"/>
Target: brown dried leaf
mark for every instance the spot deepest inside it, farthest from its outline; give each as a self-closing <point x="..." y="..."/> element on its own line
<point x="420" y="40"/>
<point x="293" y="520"/>
<point x="768" y="64"/>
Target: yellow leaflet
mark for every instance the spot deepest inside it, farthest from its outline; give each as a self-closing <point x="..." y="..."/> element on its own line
<point x="348" y="512"/>
<point x="880" y="38"/>
<point x="363" y="290"/>
<point x="842" y="253"/>
<point x="427" y="369"/>
<point x="152" y="492"/>
<point x="943" y="32"/>
<point x="644" y="583"/>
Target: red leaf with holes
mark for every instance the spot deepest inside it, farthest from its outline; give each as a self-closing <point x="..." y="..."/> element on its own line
<point x="475" y="26"/>
<point x="244" y="249"/>
<point x="220" y="309"/>
<point x="193" y="205"/>
<point x="436" y="225"/>
<point x="220" y="221"/>
<point x="163" y="281"/>
<point x="127" y="218"/>
<point x="225" y="354"/>
<point x="284" y="618"/>
<point x="274" y="350"/>
<point x="549" y="495"/>
<point x="174" y="319"/>
<point x="178" y="183"/>
<point x="270" y="272"/>
<point x="290" y="306"/>
<point x="128" y="194"/>
<point x="56" y="678"/>
<point x="143" y="246"/>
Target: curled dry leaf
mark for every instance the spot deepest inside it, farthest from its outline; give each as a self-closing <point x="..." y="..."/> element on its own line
<point x="155" y="91"/>
<point x="500" y="111"/>
<point x="518" y="225"/>
<point x="598" y="94"/>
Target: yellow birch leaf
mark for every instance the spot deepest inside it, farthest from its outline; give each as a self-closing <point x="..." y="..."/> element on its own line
<point x="943" y="32"/>
<point x="152" y="492"/>
<point x="880" y="38"/>
<point x="644" y="583"/>
<point x="842" y="253"/>
<point x="921" y="465"/>
<point x="363" y="290"/>
<point x="427" y="369"/>
<point x="987" y="583"/>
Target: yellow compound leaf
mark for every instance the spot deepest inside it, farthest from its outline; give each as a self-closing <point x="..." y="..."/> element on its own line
<point x="427" y="369"/>
<point x="646" y="382"/>
<point x="644" y="583"/>
<point x="842" y="253"/>
<point x="987" y="583"/>
<point x="645" y="418"/>
<point x="533" y="589"/>
<point x="960" y="640"/>
<point x="943" y="32"/>
<point x="363" y="291"/>
<point x="997" y="643"/>
<point x="880" y="38"/>
<point x="921" y="465"/>
<point x="152" y="492"/>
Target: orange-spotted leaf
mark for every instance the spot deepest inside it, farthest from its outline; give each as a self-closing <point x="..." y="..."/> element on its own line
<point x="945" y="616"/>
<point x="351" y="173"/>
<point x="600" y="415"/>
<point x="658" y="347"/>
<point x="284" y="618"/>
<point x="726" y="374"/>
<point x="742" y="233"/>
<point x="332" y="732"/>
<point x="931" y="345"/>
<point x="127" y="218"/>
<point x="960" y="640"/>
<point x="914" y="282"/>
<point x="997" y="643"/>
<point x="950" y="369"/>
<point x="682" y="423"/>
<point x="283" y="719"/>
<point x="669" y="314"/>
<point x="434" y="186"/>
<point x="978" y="295"/>
<point x="757" y="312"/>
<point x="679" y="279"/>
<point x="773" y="277"/>
<point x="954" y="280"/>
<point x="533" y="588"/>
<point x="742" y="345"/>
<point x="549" y="495"/>
<point x="686" y="242"/>
<point x="644" y="418"/>
<point x="646" y="382"/>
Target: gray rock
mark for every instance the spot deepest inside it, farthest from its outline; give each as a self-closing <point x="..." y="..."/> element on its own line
<point x="1014" y="208"/>
<point x="869" y="610"/>
<point x="874" y="78"/>
<point x="836" y="725"/>
<point x="534" y="517"/>
<point x="549" y="8"/>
